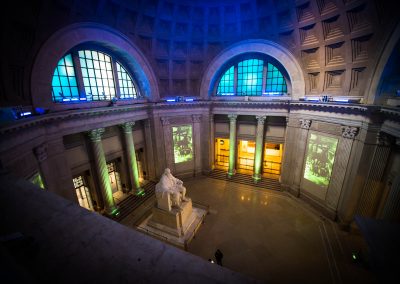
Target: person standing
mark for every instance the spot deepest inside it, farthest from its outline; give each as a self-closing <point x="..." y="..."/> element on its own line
<point x="218" y="257"/>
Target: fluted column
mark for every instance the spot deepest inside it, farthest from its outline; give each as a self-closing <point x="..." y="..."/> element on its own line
<point x="212" y="145"/>
<point x="149" y="150"/>
<point x="232" y="144"/>
<point x="168" y="142"/>
<point x="102" y="172"/>
<point x="259" y="148"/>
<point x="41" y="156"/>
<point x="130" y="152"/>
<point x="196" y="118"/>
<point x="298" y="158"/>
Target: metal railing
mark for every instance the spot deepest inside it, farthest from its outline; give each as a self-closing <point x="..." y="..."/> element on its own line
<point x="272" y="167"/>
<point x="222" y="160"/>
<point x="245" y="163"/>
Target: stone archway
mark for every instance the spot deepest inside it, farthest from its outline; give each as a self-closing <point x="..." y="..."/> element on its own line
<point x="266" y="47"/>
<point x="68" y="37"/>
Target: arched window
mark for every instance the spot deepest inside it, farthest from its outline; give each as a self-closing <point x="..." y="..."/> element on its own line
<point x="91" y="75"/>
<point x="252" y="77"/>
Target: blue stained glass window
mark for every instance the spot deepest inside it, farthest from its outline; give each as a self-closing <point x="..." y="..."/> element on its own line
<point x="63" y="86"/>
<point x="99" y="83"/>
<point x="250" y="78"/>
<point x="127" y="89"/>
<point x="250" y="74"/>
<point x="226" y="84"/>
<point x="275" y="82"/>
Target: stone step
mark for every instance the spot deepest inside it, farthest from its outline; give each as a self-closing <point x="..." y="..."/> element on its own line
<point x="129" y="204"/>
<point x="265" y="183"/>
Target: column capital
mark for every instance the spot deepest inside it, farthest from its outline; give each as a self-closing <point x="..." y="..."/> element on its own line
<point x="196" y="118"/>
<point x="232" y="117"/>
<point x="95" y="134"/>
<point x="165" y="121"/>
<point x="260" y="119"/>
<point x="40" y="152"/>
<point x="305" y="123"/>
<point x="127" y="126"/>
<point x="349" y="132"/>
<point x="384" y="139"/>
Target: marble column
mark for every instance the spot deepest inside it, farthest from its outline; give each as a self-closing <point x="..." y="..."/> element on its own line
<point x="232" y="144"/>
<point x="299" y="155"/>
<point x="373" y="187"/>
<point x="168" y="143"/>
<point x="102" y="172"/>
<point x="196" y="118"/>
<point x="151" y="175"/>
<point x="259" y="148"/>
<point x="130" y="152"/>
<point x="212" y="144"/>
<point x="54" y="168"/>
<point x="41" y="156"/>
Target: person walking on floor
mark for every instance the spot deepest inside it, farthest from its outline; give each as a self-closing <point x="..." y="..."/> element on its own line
<point x="218" y="257"/>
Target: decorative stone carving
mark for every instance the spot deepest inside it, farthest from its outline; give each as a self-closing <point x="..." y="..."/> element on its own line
<point x="165" y="121"/>
<point x="305" y="123"/>
<point x="127" y="126"/>
<point x="95" y="134"/>
<point x="232" y="117"/>
<point x="170" y="191"/>
<point x="349" y="132"/>
<point x="261" y="119"/>
<point x="383" y="139"/>
<point x="40" y="152"/>
<point x="196" y="118"/>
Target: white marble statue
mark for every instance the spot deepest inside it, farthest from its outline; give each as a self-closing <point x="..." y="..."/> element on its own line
<point x="170" y="185"/>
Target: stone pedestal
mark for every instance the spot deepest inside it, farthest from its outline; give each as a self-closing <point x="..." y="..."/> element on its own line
<point x="176" y="221"/>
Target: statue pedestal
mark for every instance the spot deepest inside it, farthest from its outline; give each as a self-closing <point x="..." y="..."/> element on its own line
<point x="176" y="226"/>
<point x="175" y="222"/>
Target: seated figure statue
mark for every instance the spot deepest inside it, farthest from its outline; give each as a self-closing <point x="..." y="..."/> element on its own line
<point x="169" y="184"/>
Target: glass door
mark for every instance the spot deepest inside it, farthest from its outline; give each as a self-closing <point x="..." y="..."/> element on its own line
<point x="272" y="160"/>
<point x="221" y="154"/>
<point x="246" y="150"/>
<point x="82" y="192"/>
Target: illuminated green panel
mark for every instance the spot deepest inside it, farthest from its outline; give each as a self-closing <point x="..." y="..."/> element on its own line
<point x="127" y="89"/>
<point x="182" y="136"/>
<point x="320" y="159"/>
<point x="37" y="180"/>
<point x="64" y="86"/>
<point x="97" y="75"/>
<point x="275" y="82"/>
<point x="250" y="73"/>
<point x="226" y="84"/>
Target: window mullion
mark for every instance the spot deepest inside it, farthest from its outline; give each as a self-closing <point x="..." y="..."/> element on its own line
<point x="264" y="76"/>
<point x="235" y="78"/>
<point x="115" y="78"/>
<point x="78" y="73"/>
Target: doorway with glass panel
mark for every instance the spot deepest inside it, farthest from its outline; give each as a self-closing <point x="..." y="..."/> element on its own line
<point x="245" y="157"/>
<point x="221" y="154"/>
<point x="272" y="160"/>
<point x="82" y="192"/>
<point x="115" y="180"/>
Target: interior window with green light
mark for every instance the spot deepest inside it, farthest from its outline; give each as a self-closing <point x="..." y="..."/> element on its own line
<point x="252" y="77"/>
<point x="226" y="84"/>
<point x="91" y="75"/>
<point x="126" y="87"/>
<point x="64" y="85"/>
<point x="275" y="82"/>
<point x="97" y="75"/>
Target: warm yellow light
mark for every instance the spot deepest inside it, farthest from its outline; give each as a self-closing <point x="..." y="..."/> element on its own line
<point x="242" y="197"/>
<point x="272" y="152"/>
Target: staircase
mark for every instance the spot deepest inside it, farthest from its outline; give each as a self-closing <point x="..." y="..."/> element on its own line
<point x="265" y="183"/>
<point x="129" y="204"/>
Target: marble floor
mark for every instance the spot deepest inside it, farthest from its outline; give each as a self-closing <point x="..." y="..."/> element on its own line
<point x="272" y="236"/>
